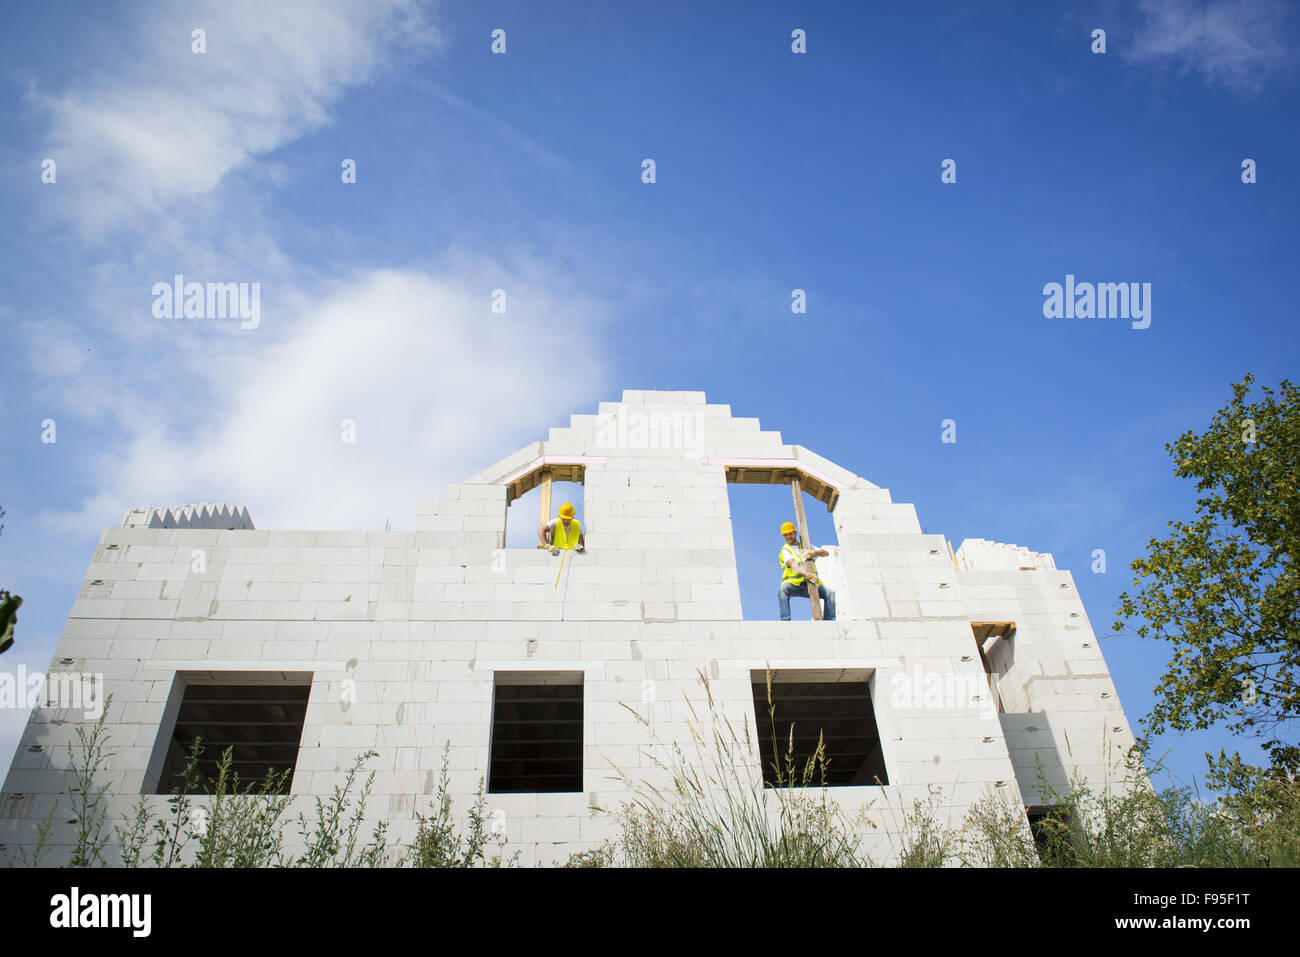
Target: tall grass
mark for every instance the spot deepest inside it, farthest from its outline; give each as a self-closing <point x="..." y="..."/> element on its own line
<point x="242" y="824"/>
<point x="715" y="810"/>
<point x="711" y="809"/>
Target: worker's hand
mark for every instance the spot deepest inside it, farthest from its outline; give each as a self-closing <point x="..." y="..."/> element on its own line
<point x="579" y="548"/>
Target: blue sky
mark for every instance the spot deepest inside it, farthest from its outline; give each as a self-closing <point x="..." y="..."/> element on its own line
<point x="775" y="171"/>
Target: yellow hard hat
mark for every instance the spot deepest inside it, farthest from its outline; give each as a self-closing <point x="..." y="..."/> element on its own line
<point x="787" y="527"/>
<point x="566" y="510"/>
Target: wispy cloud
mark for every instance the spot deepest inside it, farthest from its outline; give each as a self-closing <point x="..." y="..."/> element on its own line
<point x="523" y="143"/>
<point x="191" y="410"/>
<point x="1238" y="44"/>
<point x="432" y="380"/>
<point x="161" y="123"/>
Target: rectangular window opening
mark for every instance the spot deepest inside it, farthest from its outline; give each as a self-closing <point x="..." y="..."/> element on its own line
<point x="535" y="499"/>
<point x="260" y="715"/>
<point x="759" y="504"/>
<point x="537" y="721"/>
<point x="995" y="642"/>
<point x="833" y="705"/>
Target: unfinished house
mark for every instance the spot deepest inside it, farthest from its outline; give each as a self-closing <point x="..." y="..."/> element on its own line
<point x="961" y="674"/>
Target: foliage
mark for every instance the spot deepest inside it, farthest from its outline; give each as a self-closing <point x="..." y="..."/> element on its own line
<point x="1225" y="589"/>
<point x="242" y="824"/>
<point x="9" y="605"/>
<point x="8" y="609"/>
<point x="331" y="842"/>
<point x="437" y="843"/>
<point x="89" y="813"/>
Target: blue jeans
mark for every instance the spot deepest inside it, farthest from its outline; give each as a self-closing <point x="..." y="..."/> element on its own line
<point x="786" y="590"/>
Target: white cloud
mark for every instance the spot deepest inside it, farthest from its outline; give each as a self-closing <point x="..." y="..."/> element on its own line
<point x="164" y="124"/>
<point x="1236" y="43"/>
<point x="437" y="385"/>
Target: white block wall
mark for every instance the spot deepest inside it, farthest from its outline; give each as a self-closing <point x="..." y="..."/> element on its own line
<point x="419" y="621"/>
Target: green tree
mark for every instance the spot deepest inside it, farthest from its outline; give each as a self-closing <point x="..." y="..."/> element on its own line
<point x="1224" y="589"/>
<point x="8" y="610"/>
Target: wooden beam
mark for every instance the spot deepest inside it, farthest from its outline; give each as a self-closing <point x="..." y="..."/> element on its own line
<point x="989" y="677"/>
<point x="801" y="522"/>
<point x="546" y="496"/>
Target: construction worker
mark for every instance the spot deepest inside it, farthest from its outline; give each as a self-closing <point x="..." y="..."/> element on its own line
<point x="793" y="582"/>
<point x="563" y="532"/>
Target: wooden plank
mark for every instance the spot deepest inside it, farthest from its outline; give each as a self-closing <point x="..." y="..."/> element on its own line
<point x="519" y="487"/>
<point x="801" y="523"/>
<point x="546" y="496"/>
<point x="989" y="677"/>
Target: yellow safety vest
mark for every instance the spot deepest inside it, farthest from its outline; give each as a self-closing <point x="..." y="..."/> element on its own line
<point x="559" y="539"/>
<point x="789" y="574"/>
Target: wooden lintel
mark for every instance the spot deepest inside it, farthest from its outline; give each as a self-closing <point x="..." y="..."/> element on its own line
<point x="524" y="483"/>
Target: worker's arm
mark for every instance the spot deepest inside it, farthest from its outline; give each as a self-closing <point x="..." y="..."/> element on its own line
<point x="807" y="570"/>
<point x="543" y="535"/>
<point x="802" y="571"/>
<point x="582" y="540"/>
